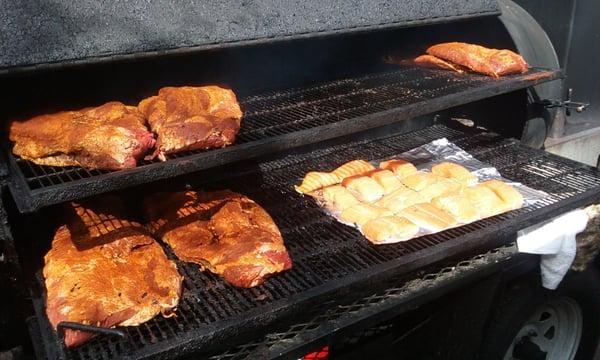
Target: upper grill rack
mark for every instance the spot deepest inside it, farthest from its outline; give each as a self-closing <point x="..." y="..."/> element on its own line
<point x="330" y="257"/>
<point x="280" y="120"/>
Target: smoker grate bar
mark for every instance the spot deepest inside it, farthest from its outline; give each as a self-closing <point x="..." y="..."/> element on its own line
<point x="346" y="318"/>
<point x="280" y="120"/>
<point x="398" y="80"/>
<point x="328" y="256"/>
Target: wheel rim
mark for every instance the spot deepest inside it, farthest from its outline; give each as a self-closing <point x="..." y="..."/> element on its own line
<point x="555" y="328"/>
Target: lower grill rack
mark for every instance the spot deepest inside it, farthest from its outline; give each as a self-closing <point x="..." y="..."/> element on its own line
<point x="331" y="260"/>
<point x="344" y="322"/>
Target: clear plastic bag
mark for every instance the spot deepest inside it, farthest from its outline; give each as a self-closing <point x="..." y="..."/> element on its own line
<point x="437" y="151"/>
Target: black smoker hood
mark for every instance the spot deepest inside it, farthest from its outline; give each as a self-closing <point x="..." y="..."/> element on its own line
<point x="43" y="32"/>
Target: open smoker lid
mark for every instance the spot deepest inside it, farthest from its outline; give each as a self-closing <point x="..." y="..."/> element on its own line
<point x="66" y="31"/>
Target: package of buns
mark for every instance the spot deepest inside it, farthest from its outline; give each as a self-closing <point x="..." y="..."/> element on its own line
<point x="413" y="194"/>
<point x="390" y="203"/>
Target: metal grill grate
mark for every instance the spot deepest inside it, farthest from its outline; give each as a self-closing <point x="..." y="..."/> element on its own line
<point x="281" y="120"/>
<point x="347" y="317"/>
<point x="328" y="256"/>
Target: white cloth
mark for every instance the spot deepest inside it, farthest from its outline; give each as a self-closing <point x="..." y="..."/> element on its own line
<point x="555" y="241"/>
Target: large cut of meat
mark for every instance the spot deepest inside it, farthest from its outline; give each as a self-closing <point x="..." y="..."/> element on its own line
<point x="112" y="136"/>
<point x="222" y="231"/>
<point x="192" y="118"/>
<point x="480" y="59"/>
<point x="422" y="60"/>
<point x="435" y="62"/>
<point x="106" y="271"/>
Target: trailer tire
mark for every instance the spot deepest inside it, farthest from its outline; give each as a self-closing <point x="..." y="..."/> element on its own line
<point x="578" y="293"/>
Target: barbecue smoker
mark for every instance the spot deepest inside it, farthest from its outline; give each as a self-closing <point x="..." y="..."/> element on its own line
<point x="315" y="93"/>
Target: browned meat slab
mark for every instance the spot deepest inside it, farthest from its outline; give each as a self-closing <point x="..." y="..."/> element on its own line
<point x="480" y="59"/>
<point x="112" y="136"/>
<point x="222" y="231"/>
<point x="106" y="271"/>
<point x="191" y="118"/>
<point x="432" y="61"/>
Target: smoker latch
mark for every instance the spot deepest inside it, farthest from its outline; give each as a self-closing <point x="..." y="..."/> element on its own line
<point x="567" y="104"/>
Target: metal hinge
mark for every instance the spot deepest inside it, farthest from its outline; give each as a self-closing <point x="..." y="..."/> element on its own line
<point x="567" y="104"/>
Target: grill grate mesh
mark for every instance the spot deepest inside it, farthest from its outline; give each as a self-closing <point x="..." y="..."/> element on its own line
<point x="409" y="91"/>
<point x="347" y="314"/>
<point x="324" y="251"/>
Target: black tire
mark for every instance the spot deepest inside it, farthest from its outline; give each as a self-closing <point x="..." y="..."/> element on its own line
<point x="584" y="287"/>
<point x="522" y="299"/>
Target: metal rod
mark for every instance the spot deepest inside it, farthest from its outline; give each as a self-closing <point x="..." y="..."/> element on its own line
<point x="63" y="325"/>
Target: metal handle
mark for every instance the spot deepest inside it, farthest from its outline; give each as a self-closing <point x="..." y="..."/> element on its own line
<point x="567" y="104"/>
<point x="63" y="325"/>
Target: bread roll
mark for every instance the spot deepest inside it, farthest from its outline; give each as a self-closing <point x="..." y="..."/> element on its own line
<point x="389" y="229"/>
<point x="400" y="199"/>
<point x="455" y="172"/>
<point x="315" y="180"/>
<point x="363" y="188"/>
<point x="439" y="188"/>
<point x="337" y="198"/>
<point x="354" y="167"/>
<point x="428" y="217"/>
<point x="458" y="206"/>
<point x="401" y="168"/>
<point x="359" y="214"/>
<point x="420" y="180"/>
<point x="386" y="178"/>
<point x="327" y="194"/>
<point x="509" y="195"/>
<point x="485" y="200"/>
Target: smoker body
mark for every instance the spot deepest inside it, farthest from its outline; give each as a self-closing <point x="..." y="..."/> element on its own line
<point x="314" y="94"/>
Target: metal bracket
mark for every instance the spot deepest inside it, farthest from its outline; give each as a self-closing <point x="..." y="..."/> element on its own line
<point x="567" y="104"/>
<point x="63" y="325"/>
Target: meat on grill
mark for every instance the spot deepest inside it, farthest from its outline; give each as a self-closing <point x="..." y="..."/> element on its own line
<point x="111" y="136"/>
<point x="224" y="232"/>
<point x="106" y="271"/>
<point x="480" y="59"/>
<point x="435" y="62"/>
<point x="191" y="118"/>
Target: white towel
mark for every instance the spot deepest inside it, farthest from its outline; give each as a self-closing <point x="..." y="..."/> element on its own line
<point x="555" y="241"/>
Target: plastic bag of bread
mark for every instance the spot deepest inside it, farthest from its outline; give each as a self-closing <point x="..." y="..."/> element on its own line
<point x="401" y="168"/>
<point x="351" y="168"/>
<point x="389" y="229"/>
<point x="425" y="190"/>
<point x="428" y="217"/>
<point x="360" y="214"/>
<point x="455" y="172"/>
<point x="364" y="188"/>
<point x="511" y="198"/>
<point x="420" y="180"/>
<point x="387" y="179"/>
<point x="400" y="200"/>
<point x="459" y="206"/>
<point x="315" y="180"/>
<point x="336" y="198"/>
